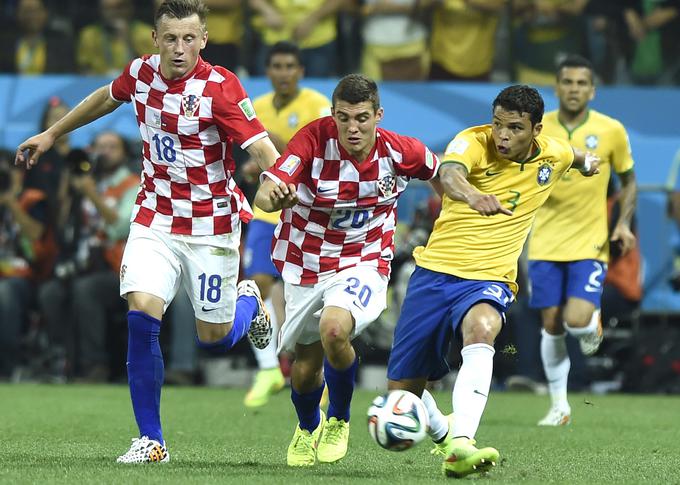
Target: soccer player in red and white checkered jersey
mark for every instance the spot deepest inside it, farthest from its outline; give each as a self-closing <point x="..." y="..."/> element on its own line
<point x="338" y="182"/>
<point x="186" y="222"/>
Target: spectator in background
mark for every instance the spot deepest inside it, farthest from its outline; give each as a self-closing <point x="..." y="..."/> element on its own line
<point x="32" y="45"/>
<point x="309" y="23"/>
<point x="548" y="30"/>
<point x="394" y="40"/>
<point x="463" y="37"/>
<point x="107" y="46"/>
<point x="93" y="239"/>
<point x="27" y="251"/>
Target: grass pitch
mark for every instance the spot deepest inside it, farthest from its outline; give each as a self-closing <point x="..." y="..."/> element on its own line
<point x="72" y="434"/>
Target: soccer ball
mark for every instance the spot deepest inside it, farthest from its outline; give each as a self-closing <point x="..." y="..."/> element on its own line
<point x="398" y="420"/>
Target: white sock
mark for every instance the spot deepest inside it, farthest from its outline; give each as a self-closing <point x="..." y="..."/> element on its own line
<point x="556" y="365"/>
<point x="439" y="425"/>
<point x="471" y="389"/>
<point x="267" y="358"/>
<point x="589" y="329"/>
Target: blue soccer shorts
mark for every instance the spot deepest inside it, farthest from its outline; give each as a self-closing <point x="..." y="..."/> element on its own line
<point x="257" y="258"/>
<point x="433" y="309"/>
<point x="553" y="282"/>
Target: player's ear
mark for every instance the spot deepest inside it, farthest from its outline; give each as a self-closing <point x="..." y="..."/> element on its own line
<point x="154" y="36"/>
<point x="379" y="114"/>
<point x="537" y="129"/>
<point x="204" y="39"/>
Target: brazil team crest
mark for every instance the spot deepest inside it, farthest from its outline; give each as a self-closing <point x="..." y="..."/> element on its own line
<point x="592" y="142"/>
<point x="191" y="103"/>
<point x="386" y="185"/>
<point x="544" y="173"/>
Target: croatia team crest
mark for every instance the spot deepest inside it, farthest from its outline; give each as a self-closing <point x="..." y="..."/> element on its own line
<point x="191" y="103"/>
<point x="386" y="185"/>
<point x="544" y="173"/>
<point x="591" y="142"/>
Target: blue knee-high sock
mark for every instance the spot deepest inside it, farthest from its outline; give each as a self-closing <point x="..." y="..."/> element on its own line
<point x="246" y="310"/>
<point x="145" y="373"/>
<point x="340" y="389"/>
<point x="307" y="407"/>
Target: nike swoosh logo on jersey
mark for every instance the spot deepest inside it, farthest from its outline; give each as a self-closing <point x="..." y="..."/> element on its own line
<point x="489" y="173"/>
<point x="203" y="308"/>
<point x="323" y="190"/>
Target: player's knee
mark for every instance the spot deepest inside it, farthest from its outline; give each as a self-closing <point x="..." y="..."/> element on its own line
<point x="212" y="333"/>
<point x="333" y="333"/>
<point x="482" y="331"/>
<point x="577" y="319"/>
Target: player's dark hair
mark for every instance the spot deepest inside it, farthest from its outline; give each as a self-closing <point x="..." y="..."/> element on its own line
<point x="574" y="60"/>
<point x="355" y="89"/>
<point x="284" y="47"/>
<point x="523" y="99"/>
<point x="181" y="9"/>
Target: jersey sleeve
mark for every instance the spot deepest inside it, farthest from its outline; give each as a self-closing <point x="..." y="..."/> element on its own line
<point x="464" y="149"/>
<point x="293" y="166"/>
<point x="122" y="88"/>
<point x="234" y="114"/>
<point x="417" y="160"/>
<point x="622" y="159"/>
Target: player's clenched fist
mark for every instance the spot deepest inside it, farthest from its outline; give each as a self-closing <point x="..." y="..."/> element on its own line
<point x="487" y="205"/>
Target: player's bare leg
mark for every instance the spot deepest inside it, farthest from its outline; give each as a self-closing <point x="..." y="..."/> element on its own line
<point x="582" y="320"/>
<point x="479" y="328"/>
<point x="340" y="369"/>
<point x="306" y="382"/>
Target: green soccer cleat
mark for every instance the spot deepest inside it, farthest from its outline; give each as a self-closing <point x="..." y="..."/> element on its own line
<point x="465" y="458"/>
<point x="334" y="439"/>
<point x="267" y="383"/>
<point x="302" y="448"/>
<point x="442" y="448"/>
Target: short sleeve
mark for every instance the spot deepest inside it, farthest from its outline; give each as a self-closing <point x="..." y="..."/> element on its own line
<point x="417" y="160"/>
<point x="464" y="149"/>
<point x="622" y="159"/>
<point x="234" y="114"/>
<point x="293" y="166"/>
<point x="122" y="88"/>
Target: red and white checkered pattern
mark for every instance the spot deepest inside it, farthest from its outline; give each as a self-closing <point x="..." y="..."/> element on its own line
<point x="188" y="127"/>
<point x="347" y="210"/>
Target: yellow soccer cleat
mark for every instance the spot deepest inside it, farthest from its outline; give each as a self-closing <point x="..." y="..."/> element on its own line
<point x="442" y="448"/>
<point x="302" y="448"/>
<point x="267" y="383"/>
<point x="465" y="458"/>
<point x="334" y="439"/>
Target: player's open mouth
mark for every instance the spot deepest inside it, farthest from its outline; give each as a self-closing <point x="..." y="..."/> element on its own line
<point x="503" y="149"/>
<point x="178" y="62"/>
<point x="353" y="140"/>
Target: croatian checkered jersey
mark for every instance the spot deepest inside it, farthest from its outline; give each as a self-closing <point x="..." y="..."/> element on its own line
<point x="346" y="213"/>
<point x="188" y="127"/>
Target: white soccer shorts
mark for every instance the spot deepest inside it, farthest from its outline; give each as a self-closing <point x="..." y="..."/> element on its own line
<point x="207" y="267"/>
<point x="360" y="290"/>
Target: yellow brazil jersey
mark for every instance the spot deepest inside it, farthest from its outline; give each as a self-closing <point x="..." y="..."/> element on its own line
<point x="572" y="224"/>
<point x="305" y="108"/>
<point x="225" y="27"/>
<point x="469" y="245"/>
<point x="294" y="12"/>
<point x="463" y="38"/>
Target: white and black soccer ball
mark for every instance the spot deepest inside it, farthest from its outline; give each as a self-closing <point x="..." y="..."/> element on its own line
<point x="398" y="420"/>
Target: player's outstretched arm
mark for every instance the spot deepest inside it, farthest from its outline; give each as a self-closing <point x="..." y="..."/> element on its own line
<point x="263" y="152"/>
<point x="622" y="233"/>
<point x="453" y="177"/>
<point x="272" y="197"/>
<point x="96" y="105"/>
<point x="585" y="162"/>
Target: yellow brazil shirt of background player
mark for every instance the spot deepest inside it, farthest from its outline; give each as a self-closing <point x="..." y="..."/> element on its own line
<point x="305" y="108"/>
<point x="572" y="224"/>
<point x="294" y="12"/>
<point x="469" y="245"/>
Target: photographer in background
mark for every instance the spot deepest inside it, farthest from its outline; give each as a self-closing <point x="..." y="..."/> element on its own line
<point x="93" y="227"/>
<point x="27" y="251"/>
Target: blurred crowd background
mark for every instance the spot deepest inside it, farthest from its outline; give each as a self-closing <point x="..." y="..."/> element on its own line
<point x="63" y="225"/>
